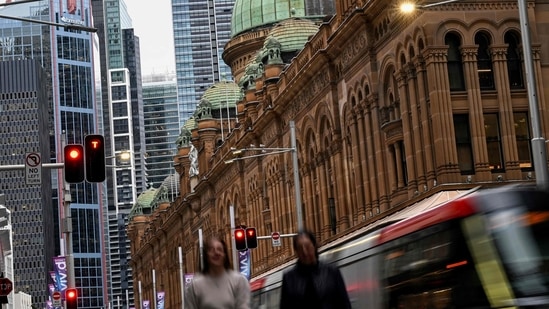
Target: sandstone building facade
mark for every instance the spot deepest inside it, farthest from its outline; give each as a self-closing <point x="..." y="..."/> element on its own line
<point x="390" y="109"/>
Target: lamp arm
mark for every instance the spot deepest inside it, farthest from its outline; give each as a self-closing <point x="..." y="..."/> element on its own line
<point x="284" y="150"/>
<point x="438" y="3"/>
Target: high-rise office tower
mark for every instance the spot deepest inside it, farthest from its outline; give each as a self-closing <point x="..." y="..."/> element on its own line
<point x="201" y="29"/>
<point x="24" y="129"/>
<point x="124" y="123"/>
<point x="161" y="126"/>
<point x="70" y="107"/>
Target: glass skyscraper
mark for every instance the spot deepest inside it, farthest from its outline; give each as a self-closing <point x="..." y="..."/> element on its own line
<point x="68" y="58"/>
<point x="161" y="127"/>
<point x="124" y="132"/>
<point x="201" y="30"/>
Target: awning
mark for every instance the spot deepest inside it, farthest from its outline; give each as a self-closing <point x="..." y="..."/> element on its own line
<point x="432" y="201"/>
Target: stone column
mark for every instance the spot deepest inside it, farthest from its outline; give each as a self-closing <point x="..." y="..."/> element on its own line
<point x="476" y="115"/>
<point x="425" y="123"/>
<point x="408" y="150"/>
<point x="507" y="121"/>
<point x="445" y="158"/>
<point x="417" y="155"/>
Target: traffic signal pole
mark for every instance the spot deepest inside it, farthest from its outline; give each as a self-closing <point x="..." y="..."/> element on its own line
<point x="67" y="230"/>
<point x="66" y="219"/>
<point x="67" y="224"/>
<point x="235" y="254"/>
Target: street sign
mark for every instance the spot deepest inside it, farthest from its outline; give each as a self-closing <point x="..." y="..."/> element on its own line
<point x="56" y="296"/>
<point x="33" y="169"/>
<point x="5" y="286"/>
<point x="275" y="236"/>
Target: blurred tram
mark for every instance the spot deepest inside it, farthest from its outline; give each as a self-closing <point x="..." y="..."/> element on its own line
<point x="485" y="249"/>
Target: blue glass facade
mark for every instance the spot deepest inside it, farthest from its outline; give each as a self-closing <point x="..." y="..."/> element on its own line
<point x="201" y="30"/>
<point x="161" y="126"/>
<point x="67" y="56"/>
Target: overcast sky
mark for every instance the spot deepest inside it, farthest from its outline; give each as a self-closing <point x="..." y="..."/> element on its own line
<point x="152" y="22"/>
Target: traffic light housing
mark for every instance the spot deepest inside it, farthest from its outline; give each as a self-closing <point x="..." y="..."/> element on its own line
<point x="94" y="144"/>
<point x="71" y="297"/>
<point x="251" y="238"/>
<point x="74" y="163"/>
<point x="240" y="239"/>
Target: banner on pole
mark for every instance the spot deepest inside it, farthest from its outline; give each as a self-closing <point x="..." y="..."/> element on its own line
<point x="160" y="300"/>
<point x="244" y="263"/>
<point x="60" y="268"/>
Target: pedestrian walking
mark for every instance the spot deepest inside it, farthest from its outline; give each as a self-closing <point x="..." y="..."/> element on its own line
<point x="310" y="283"/>
<point x="218" y="286"/>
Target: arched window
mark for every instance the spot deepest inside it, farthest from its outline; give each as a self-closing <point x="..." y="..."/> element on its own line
<point x="455" y="64"/>
<point x="514" y="63"/>
<point x="484" y="62"/>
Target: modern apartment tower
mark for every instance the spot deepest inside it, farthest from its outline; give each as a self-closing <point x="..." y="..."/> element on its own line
<point x="201" y="29"/>
<point x="161" y="126"/>
<point x="67" y="57"/>
<point x="123" y="112"/>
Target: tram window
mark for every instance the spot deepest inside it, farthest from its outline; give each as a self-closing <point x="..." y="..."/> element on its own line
<point x="432" y="269"/>
<point x="521" y="237"/>
<point x="416" y="255"/>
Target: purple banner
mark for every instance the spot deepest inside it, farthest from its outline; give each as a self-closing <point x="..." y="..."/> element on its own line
<point x="146" y="304"/>
<point x="60" y="267"/>
<point x="160" y="300"/>
<point x="49" y="304"/>
<point x="244" y="263"/>
<point x="188" y="278"/>
<point x="54" y="280"/>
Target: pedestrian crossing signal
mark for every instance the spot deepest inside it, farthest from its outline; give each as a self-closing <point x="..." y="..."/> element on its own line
<point x="95" y="158"/>
<point x="251" y="238"/>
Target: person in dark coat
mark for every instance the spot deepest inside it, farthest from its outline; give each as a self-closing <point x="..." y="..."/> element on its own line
<point x="310" y="283"/>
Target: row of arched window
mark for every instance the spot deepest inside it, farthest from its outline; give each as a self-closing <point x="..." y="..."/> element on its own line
<point x="484" y="61"/>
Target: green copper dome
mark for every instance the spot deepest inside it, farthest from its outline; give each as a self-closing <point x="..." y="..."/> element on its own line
<point x="145" y="203"/>
<point x="293" y="33"/>
<point x="251" y="14"/>
<point x="190" y="124"/>
<point x="223" y="94"/>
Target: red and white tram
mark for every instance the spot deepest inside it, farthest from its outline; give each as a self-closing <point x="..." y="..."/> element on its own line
<point x="486" y="249"/>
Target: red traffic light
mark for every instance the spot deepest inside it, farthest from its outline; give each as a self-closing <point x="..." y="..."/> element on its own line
<point x="71" y="294"/>
<point x="74" y="163"/>
<point x="74" y="154"/>
<point x="240" y="239"/>
<point x="71" y="297"/>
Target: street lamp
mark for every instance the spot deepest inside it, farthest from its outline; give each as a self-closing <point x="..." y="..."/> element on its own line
<point x="123" y="157"/>
<point x="270" y="151"/>
<point x="408" y="7"/>
<point x="538" y="141"/>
